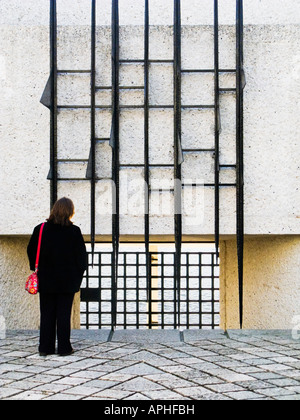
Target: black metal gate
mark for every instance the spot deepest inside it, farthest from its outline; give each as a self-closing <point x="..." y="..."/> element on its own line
<point x="163" y="303"/>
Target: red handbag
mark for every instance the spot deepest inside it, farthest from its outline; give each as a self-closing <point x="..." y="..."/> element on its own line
<point x="32" y="283"/>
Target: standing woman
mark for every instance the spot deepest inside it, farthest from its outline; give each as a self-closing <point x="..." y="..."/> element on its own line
<point x="63" y="261"/>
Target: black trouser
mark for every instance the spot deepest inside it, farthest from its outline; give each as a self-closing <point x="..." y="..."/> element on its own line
<point x="55" y="314"/>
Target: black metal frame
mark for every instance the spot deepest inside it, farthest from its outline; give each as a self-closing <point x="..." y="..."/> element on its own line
<point x="179" y="152"/>
<point x="217" y="125"/>
<point x="116" y="148"/>
<point x="93" y="125"/>
<point x="240" y="84"/>
<point x="147" y="158"/>
<point x="53" y="106"/>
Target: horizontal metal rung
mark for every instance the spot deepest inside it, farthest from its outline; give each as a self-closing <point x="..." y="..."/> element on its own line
<point x="198" y="106"/>
<point x="72" y="179"/>
<point x="152" y="61"/>
<point x="82" y="179"/>
<point x="227" y="166"/>
<point x="198" y="150"/>
<point x="160" y="61"/>
<point x="74" y="107"/>
<point x="207" y="185"/>
<point x="208" y="71"/>
<point x="121" y="88"/>
<point x="71" y="160"/>
<point x="139" y="165"/>
<point x="228" y="90"/>
<point x="161" y="165"/>
<point x="131" y="61"/>
<point x="161" y="190"/>
<point x="73" y="71"/>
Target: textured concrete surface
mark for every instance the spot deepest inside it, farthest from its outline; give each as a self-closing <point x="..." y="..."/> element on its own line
<point x="271" y="111"/>
<point x="204" y="365"/>
<point x="20" y="310"/>
<point x="271" y="283"/>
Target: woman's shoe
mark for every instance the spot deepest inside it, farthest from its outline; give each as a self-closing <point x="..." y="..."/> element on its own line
<point x="46" y="354"/>
<point x="67" y="354"/>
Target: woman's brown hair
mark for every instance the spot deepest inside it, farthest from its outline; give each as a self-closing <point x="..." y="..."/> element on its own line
<point x="62" y="212"/>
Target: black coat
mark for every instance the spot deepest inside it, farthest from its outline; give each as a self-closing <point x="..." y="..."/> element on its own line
<point x="63" y="258"/>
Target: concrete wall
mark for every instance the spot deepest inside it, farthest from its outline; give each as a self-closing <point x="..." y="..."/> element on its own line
<point x="271" y="286"/>
<point x="20" y="310"/>
<point x="271" y="111"/>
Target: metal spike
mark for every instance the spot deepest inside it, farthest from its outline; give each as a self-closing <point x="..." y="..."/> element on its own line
<point x="46" y="98"/>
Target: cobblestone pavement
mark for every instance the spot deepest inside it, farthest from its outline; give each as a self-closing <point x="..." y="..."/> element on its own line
<point x="154" y="365"/>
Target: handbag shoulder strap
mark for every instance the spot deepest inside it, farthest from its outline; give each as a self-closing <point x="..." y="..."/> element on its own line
<point x="39" y="248"/>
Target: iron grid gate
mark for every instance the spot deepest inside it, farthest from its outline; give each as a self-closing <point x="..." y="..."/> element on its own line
<point x="164" y="304"/>
<point x="50" y="99"/>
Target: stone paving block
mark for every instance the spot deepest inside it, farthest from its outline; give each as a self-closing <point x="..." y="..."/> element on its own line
<point x="254" y="385"/>
<point x="230" y="376"/>
<point x="8" y="392"/>
<point x="113" y="393"/>
<point x="170" y="381"/>
<point x="139" y="385"/>
<point x="137" y="397"/>
<point x="274" y="392"/>
<point x="196" y="392"/>
<point x="164" y="395"/>
<point x="285" y="382"/>
<point x="87" y="374"/>
<point x="63" y="397"/>
<point x="151" y="358"/>
<point x="140" y="369"/>
<point x="222" y="388"/>
<point x="51" y="388"/>
<point x="16" y="376"/>
<point x="82" y="390"/>
<point x="191" y="336"/>
<point x="29" y="396"/>
<point x="70" y="381"/>
<point x="288" y="398"/>
<point x="265" y="334"/>
<point x="100" y="384"/>
<point x="243" y="395"/>
<point x="146" y="336"/>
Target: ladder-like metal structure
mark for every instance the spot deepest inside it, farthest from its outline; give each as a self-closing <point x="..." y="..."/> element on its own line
<point x="50" y="99"/>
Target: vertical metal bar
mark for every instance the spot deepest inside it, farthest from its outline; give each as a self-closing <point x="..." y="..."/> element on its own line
<point x="125" y="290"/>
<point x="188" y="291"/>
<point x="217" y="126"/>
<point x="53" y="108"/>
<point x="149" y="292"/>
<point x="146" y="157"/>
<point x="87" y="303"/>
<point x="212" y="290"/>
<point x="93" y="127"/>
<point x="240" y="152"/>
<point x="162" y="290"/>
<point x="116" y="157"/>
<point x="137" y="292"/>
<point x="100" y="289"/>
<point x="200" y="292"/>
<point x="177" y="162"/>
